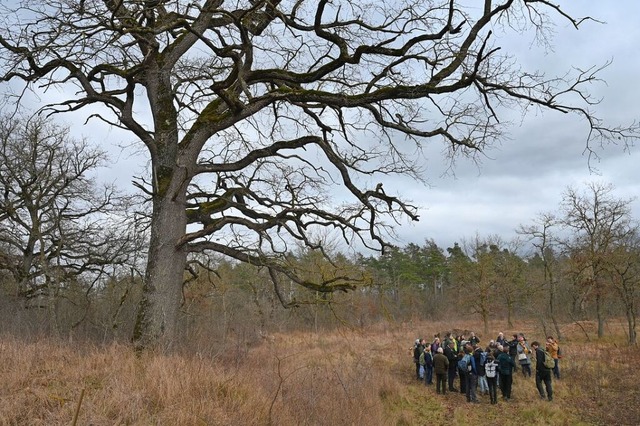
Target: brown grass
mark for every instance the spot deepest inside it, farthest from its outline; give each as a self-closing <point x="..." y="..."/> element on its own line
<point x="339" y="378"/>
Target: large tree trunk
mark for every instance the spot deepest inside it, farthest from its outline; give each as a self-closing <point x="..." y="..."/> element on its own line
<point x="162" y="292"/>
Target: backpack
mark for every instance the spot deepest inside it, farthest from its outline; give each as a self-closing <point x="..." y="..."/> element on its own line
<point x="483" y="358"/>
<point x="548" y="360"/>
<point x="464" y="363"/>
<point x="490" y="369"/>
<point x="421" y="359"/>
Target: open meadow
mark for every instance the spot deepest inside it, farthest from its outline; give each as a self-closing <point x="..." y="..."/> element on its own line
<point x="344" y="377"/>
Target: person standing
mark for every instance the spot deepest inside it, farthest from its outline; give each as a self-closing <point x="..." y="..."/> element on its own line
<point x="491" y="373"/>
<point x="480" y="357"/>
<point x="440" y="367"/>
<point x="472" y="377"/>
<point x="448" y="339"/>
<point x="460" y="342"/>
<point x="473" y="339"/>
<point x="500" y="340"/>
<point x="428" y="365"/>
<point x="435" y="345"/>
<point x="513" y="350"/>
<point x="506" y="366"/>
<point x="417" y="351"/>
<point x="543" y="373"/>
<point x="452" y="356"/>
<point x="462" y="372"/>
<point x="524" y="352"/>
<point x="554" y="350"/>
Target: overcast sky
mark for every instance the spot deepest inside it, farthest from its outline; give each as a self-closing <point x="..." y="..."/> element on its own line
<point x="527" y="174"/>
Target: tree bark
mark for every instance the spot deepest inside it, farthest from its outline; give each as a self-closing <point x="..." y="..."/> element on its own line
<point x="157" y="316"/>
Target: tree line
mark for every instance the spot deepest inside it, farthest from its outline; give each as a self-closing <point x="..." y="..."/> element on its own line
<point x="71" y="256"/>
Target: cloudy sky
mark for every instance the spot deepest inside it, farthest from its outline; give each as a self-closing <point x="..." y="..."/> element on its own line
<point x="527" y="174"/>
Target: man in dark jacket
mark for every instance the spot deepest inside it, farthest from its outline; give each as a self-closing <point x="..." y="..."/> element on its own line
<point x="428" y="365"/>
<point x="543" y="374"/>
<point x="506" y="366"/>
<point x="513" y="350"/>
<point x="452" y="356"/>
<point x="440" y="367"/>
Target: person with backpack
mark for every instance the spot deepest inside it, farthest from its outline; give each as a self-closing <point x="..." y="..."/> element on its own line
<point x="544" y="364"/>
<point x="480" y="357"/>
<point x="452" y="356"/>
<point x="554" y="350"/>
<point x="472" y="375"/>
<point x="463" y="370"/>
<point x="491" y="374"/>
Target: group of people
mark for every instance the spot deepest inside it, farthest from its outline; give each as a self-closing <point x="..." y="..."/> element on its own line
<point x="485" y="369"/>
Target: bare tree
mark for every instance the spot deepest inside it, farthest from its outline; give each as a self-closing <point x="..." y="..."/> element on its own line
<point x="480" y="291"/>
<point x="488" y="276"/>
<point x="599" y="222"/>
<point x="55" y="228"/>
<point x="261" y="108"/>
<point x="623" y="269"/>
<point x="510" y="275"/>
<point x="540" y="234"/>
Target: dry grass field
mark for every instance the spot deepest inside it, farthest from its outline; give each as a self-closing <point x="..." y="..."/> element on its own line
<point x="345" y="377"/>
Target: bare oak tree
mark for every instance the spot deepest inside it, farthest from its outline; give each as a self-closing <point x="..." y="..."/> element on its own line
<point x="623" y="269"/>
<point x="599" y="223"/>
<point x="540" y="235"/>
<point x="55" y="231"/>
<point x="260" y="109"/>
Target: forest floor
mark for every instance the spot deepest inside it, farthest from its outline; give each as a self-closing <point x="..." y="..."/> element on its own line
<point x="343" y="377"/>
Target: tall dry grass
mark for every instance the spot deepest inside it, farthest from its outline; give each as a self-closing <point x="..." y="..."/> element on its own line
<point x="344" y="377"/>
